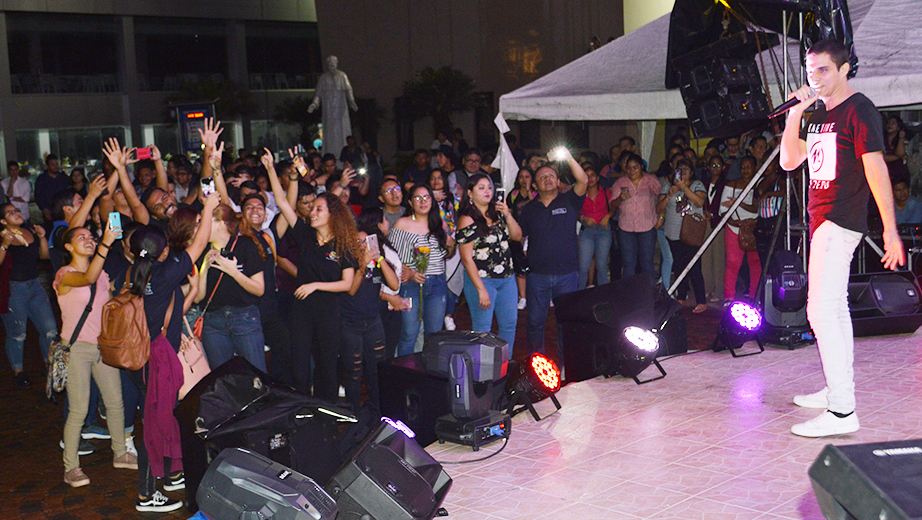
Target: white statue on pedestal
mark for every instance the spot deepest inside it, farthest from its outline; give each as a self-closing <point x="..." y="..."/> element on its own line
<point x="335" y="94"/>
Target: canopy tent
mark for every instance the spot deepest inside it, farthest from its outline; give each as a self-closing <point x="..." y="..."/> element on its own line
<point x="625" y="79"/>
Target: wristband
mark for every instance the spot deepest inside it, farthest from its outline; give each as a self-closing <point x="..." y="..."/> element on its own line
<point x="101" y="244"/>
<point x="100" y="255"/>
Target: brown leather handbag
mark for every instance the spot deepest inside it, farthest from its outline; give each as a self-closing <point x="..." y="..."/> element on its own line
<point x="694" y="228"/>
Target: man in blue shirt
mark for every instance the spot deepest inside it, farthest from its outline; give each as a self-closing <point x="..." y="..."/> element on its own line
<point x="549" y="223"/>
<point x="908" y="208"/>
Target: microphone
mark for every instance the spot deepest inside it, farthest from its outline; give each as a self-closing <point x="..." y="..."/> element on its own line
<point x="787" y="105"/>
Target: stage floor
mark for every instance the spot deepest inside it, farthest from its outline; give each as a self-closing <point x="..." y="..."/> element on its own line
<point x="710" y="441"/>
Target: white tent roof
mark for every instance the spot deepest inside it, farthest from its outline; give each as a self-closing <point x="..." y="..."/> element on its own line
<point x="625" y="79"/>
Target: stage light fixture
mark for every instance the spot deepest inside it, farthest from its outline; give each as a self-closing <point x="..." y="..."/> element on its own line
<point x="636" y="351"/>
<point x="534" y="379"/>
<point x="740" y="323"/>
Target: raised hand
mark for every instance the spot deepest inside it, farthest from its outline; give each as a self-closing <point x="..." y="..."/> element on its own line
<point x="211" y="133"/>
<point x="267" y="159"/>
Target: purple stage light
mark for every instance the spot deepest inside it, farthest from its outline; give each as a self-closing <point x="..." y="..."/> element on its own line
<point x="746" y="315"/>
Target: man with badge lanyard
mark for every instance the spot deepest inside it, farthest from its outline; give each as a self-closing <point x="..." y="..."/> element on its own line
<point x="843" y="146"/>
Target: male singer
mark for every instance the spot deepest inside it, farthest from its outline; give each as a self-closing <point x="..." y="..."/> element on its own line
<point x="843" y="145"/>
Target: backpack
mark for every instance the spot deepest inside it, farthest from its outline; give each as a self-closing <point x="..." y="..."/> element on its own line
<point x="124" y="339"/>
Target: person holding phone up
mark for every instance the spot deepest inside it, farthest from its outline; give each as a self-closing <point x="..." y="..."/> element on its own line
<point x="634" y="195"/>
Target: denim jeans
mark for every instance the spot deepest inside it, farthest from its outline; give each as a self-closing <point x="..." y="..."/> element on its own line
<point x="362" y="350"/>
<point x="637" y="252"/>
<point x="28" y="301"/>
<point x="831" y="250"/>
<point x="666" y="253"/>
<point x="434" y="293"/>
<point x="504" y="298"/>
<point x="234" y="330"/>
<point x="540" y="289"/>
<point x="595" y="242"/>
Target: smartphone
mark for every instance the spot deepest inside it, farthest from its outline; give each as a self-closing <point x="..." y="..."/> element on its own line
<point x="407" y="302"/>
<point x="207" y="186"/>
<point x="115" y="221"/>
<point x="371" y="244"/>
<point x="560" y="153"/>
<point x="320" y="189"/>
<point x="227" y="254"/>
<point x="501" y="194"/>
<point x="143" y="153"/>
<point x="678" y="175"/>
<point x="361" y="171"/>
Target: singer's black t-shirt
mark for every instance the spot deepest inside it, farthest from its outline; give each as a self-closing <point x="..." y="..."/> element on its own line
<point x="836" y="141"/>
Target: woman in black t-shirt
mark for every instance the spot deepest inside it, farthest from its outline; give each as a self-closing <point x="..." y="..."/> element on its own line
<point x="28" y="300"/>
<point x="231" y="284"/>
<point x="328" y="249"/>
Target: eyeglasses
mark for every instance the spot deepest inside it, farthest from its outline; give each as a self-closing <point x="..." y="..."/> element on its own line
<point x="472" y="160"/>
<point x="391" y="190"/>
<point x="716" y="165"/>
<point x="421" y="198"/>
<point x="12" y="211"/>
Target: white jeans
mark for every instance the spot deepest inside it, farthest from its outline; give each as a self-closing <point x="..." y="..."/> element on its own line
<point x="831" y="251"/>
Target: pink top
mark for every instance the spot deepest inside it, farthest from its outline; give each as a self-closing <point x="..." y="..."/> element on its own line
<point x="638" y="213"/>
<point x="74" y="302"/>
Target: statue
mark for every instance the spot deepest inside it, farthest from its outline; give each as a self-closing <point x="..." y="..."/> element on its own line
<point x="334" y="92"/>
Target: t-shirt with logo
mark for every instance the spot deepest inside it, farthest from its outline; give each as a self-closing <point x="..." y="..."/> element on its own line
<point x="836" y="141"/>
<point x="319" y="263"/>
<point x="551" y="232"/>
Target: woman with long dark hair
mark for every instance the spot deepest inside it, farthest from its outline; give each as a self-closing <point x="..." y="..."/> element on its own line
<point x="447" y="204"/>
<point x="486" y="228"/>
<point x="363" y="330"/>
<point x="27" y="299"/>
<point x="683" y="194"/>
<point x="231" y="283"/>
<point x="523" y="193"/>
<point x="328" y="252"/>
<point x="157" y="277"/>
<point x="74" y="283"/>
<point x="423" y="246"/>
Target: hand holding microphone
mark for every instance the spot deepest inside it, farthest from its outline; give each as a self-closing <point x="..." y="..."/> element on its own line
<point x="800" y="98"/>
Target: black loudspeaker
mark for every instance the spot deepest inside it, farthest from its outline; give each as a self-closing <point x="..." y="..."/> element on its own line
<point x="722" y="88"/>
<point x="869" y="481"/>
<point x="473" y="362"/>
<point x="884" y="303"/>
<point x="389" y="477"/>
<point x="414" y="395"/>
<point x="237" y="405"/>
<point x="592" y="320"/>
<point x="245" y="485"/>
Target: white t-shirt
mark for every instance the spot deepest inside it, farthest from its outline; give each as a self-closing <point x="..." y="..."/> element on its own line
<point x="21" y="188"/>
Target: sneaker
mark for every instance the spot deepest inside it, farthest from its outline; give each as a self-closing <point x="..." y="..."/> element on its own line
<point x="129" y="445"/>
<point x="76" y="478"/>
<point x="342" y="391"/>
<point x="101" y="410"/>
<point x="826" y="424"/>
<point x="552" y="303"/>
<point x="21" y="380"/>
<point x="814" y="400"/>
<point x="94" y="431"/>
<point x="85" y="448"/>
<point x="126" y="461"/>
<point x="175" y="483"/>
<point x="157" y="503"/>
<point x="449" y="323"/>
<point x="521" y="304"/>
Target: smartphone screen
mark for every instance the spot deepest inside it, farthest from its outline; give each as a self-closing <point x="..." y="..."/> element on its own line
<point x="115" y="221"/>
<point x="371" y="244"/>
<point x="207" y="186"/>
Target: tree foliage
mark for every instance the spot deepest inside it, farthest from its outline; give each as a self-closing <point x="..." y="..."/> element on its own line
<point x="437" y="93"/>
<point x="293" y="111"/>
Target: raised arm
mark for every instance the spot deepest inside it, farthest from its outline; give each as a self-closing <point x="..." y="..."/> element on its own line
<point x="793" y="148"/>
<point x="163" y="181"/>
<point x="78" y="279"/>
<point x="280" y="199"/>
<point x="120" y="159"/>
<point x="78" y="219"/>
<point x="203" y="233"/>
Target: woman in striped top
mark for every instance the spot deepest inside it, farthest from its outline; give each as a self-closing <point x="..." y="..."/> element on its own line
<point x="423" y="246"/>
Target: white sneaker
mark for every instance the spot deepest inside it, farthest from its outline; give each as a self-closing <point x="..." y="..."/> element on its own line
<point x="521" y="305"/>
<point x="826" y="424"/>
<point x="342" y="391"/>
<point x="157" y="503"/>
<point x="449" y="323"/>
<point x="129" y="445"/>
<point x="814" y="400"/>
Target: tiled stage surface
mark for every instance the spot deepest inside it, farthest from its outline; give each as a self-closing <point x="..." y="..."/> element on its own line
<point x="710" y="441"/>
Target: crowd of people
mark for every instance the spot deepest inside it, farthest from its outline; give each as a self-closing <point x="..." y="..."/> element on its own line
<point x="333" y="264"/>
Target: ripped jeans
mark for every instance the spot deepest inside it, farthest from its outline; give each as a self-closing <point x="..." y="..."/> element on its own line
<point x="28" y="301"/>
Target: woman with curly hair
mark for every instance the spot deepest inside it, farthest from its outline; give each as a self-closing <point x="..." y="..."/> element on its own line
<point x="231" y="283"/>
<point x="328" y="249"/>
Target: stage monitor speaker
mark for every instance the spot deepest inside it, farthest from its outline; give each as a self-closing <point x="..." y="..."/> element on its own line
<point x="884" y="303"/>
<point x="237" y="405"/>
<point x="389" y="477"/>
<point x="592" y="320"/>
<point x="869" y="481"/>
<point x="241" y="484"/>
<point x="414" y="395"/>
